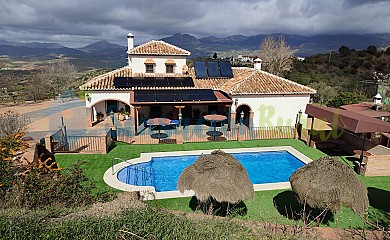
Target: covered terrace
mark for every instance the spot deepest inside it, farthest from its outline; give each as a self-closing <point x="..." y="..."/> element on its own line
<point x="188" y="106"/>
<point x="351" y="131"/>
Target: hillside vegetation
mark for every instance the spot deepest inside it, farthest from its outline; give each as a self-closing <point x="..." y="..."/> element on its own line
<point x="347" y="70"/>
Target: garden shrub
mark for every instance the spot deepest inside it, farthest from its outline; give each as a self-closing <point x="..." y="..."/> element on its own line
<point x="40" y="183"/>
<point x="10" y="145"/>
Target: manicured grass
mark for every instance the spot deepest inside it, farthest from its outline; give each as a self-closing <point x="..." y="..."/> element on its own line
<point x="270" y="206"/>
<point x="96" y="164"/>
<point x="262" y="208"/>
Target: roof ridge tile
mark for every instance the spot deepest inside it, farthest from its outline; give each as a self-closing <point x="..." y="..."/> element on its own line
<point x="152" y="48"/>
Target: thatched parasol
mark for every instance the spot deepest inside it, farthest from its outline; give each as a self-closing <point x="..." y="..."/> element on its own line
<point x="329" y="183"/>
<point x="219" y="176"/>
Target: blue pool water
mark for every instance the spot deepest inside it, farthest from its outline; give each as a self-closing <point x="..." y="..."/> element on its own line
<point x="163" y="172"/>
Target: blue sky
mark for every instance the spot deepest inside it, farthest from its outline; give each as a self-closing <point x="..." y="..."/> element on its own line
<point x="76" y="23"/>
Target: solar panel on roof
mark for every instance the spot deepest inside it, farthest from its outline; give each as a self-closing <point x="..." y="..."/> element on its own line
<point x="174" y="82"/>
<point x="188" y="82"/>
<point x="135" y="82"/>
<point x="121" y="82"/>
<point x="161" y="82"/>
<point x="148" y="82"/>
<point x="174" y="96"/>
<point x="200" y="70"/>
<point x="213" y="69"/>
<point x="226" y="69"/>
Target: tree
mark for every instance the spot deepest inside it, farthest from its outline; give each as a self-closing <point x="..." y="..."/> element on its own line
<point x="324" y="92"/>
<point x="277" y="56"/>
<point x="61" y="75"/>
<point x="382" y="78"/>
<point x="345" y="98"/>
<point x="2" y="63"/>
<point x="215" y="56"/>
<point x="344" y="50"/>
<point x="37" y="88"/>
<point x="372" y="49"/>
<point x="13" y="123"/>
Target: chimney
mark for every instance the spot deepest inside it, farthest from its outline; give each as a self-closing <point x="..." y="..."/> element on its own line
<point x="130" y="42"/>
<point x="130" y="45"/>
<point x="257" y="64"/>
<point x="377" y="101"/>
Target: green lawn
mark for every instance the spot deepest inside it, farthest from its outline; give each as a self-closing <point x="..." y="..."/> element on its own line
<point x="262" y="207"/>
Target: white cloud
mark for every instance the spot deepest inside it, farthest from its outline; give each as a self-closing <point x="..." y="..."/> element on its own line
<point x="81" y="22"/>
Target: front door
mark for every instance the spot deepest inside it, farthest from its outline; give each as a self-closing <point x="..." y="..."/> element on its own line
<point x="112" y="105"/>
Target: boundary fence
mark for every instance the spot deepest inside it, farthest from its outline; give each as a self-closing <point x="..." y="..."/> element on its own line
<point x="60" y="142"/>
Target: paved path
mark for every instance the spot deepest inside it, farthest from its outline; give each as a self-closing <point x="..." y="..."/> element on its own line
<point x="46" y="117"/>
<point x="53" y="108"/>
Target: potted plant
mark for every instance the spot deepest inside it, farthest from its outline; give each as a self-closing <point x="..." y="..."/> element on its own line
<point x="122" y="114"/>
<point x="126" y="114"/>
<point x="99" y="116"/>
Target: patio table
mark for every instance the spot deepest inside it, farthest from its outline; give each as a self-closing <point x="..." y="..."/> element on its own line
<point x="158" y="122"/>
<point x="214" y="118"/>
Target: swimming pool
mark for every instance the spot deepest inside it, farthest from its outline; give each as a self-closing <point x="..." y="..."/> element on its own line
<point x="163" y="172"/>
<point x="158" y="173"/>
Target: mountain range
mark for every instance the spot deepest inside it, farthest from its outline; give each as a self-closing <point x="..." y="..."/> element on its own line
<point x="104" y="54"/>
<point x="305" y="45"/>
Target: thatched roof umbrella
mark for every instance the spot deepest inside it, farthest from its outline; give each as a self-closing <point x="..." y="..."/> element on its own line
<point x="329" y="183"/>
<point x="219" y="176"/>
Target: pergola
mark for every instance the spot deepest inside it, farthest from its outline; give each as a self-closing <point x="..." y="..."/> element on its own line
<point x="352" y="121"/>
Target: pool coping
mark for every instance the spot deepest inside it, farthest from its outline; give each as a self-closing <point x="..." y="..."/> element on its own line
<point x="149" y="193"/>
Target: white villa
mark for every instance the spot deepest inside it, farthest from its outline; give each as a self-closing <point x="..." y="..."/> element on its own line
<point x="158" y="83"/>
<point x="244" y="58"/>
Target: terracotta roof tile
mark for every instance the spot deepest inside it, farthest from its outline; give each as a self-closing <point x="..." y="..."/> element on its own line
<point x="158" y="75"/>
<point x="246" y="81"/>
<point x="158" y="48"/>
<point x="249" y="81"/>
<point x="149" y="61"/>
<point x="106" y="81"/>
<point x="260" y="82"/>
<point x="170" y="61"/>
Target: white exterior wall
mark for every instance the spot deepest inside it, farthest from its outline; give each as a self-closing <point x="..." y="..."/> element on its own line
<point x="98" y="99"/>
<point x="138" y="63"/>
<point x="102" y="96"/>
<point x="274" y="110"/>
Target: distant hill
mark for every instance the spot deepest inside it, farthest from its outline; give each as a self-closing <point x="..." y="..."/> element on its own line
<point x="31" y="45"/>
<point x="305" y="45"/>
<point x="103" y="54"/>
<point x="37" y="52"/>
<point x="4" y="42"/>
<point x="101" y="46"/>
